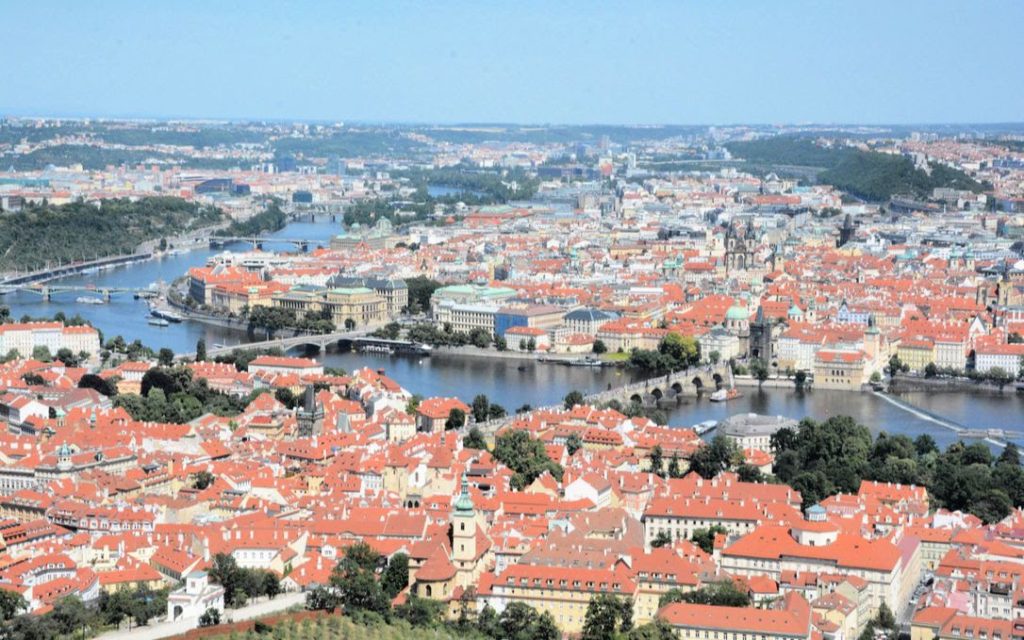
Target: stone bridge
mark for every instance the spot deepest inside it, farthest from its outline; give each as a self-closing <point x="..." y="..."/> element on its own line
<point x="661" y="391"/>
<point x="670" y="388"/>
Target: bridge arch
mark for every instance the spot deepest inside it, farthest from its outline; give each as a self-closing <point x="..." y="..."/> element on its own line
<point x="637" y="398"/>
<point x="657" y="393"/>
<point x="718" y="380"/>
<point x="677" y="387"/>
<point x="697" y="382"/>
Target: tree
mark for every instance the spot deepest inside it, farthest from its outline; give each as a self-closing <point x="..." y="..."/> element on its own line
<point x="682" y="351"/>
<point x="531" y="344"/>
<point x="270" y="584"/>
<point x="674" y="468"/>
<point x="474" y="439"/>
<point x="519" y="621"/>
<point x="573" y="443"/>
<point x="749" y="473"/>
<point x="396" y="575"/>
<point x="41" y="353"/>
<point x="68" y="357"/>
<point x="200" y="350"/>
<point x="657" y="461"/>
<point x="656" y="630"/>
<point x="1010" y="455"/>
<point x="202" y="480"/>
<point x="33" y="380"/>
<point x="496" y="412"/>
<point x="320" y="599"/>
<point x="800" y="379"/>
<point x="11" y="604"/>
<point x="480" y="407"/>
<point x="225" y="571"/>
<point x="354" y="580"/>
<point x="102" y="385"/>
<point x="70" y="615"/>
<point x="719" y="594"/>
<point x="456" y="419"/>
<point x="572" y="399"/>
<point x="895" y="365"/>
<point x="925" y="444"/>
<point x="420" y="612"/>
<point x="714" y="357"/>
<point x="165" y="357"/>
<point x="285" y="396"/>
<point x="1001" y="377"/>
<point x="599" y="347"/>
<point x="759" y="369"/>
<point x="210" y="618"/>
<point x="721" y="454"/>
<point x="663" y="538"/>
<point x="930" y="370"/>
<point x="705" y="538"/>
<point x="525" y="456"/>
<point x="606" y="617"/>
<point x="350" y="324"/>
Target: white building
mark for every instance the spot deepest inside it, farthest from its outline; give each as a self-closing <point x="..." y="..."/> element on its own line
<point x="1008" y="357"/>
<point x="192" y="600"/>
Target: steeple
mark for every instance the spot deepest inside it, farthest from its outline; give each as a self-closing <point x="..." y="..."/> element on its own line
<point x="464" y="503"/>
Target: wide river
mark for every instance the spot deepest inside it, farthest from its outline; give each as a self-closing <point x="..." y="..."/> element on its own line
<point x="508" y="381"/>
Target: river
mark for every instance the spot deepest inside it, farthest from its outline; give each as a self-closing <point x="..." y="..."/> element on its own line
<point x="509" y="382"/>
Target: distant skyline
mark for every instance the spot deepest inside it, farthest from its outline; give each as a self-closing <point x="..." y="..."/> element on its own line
<point x="863" y="61"/>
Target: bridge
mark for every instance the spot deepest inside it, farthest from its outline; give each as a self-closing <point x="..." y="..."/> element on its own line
<point x="257" y="242"/>
<point x="664" y="390"/>
<point x="47" y="291"/>
<point x="71" y="268"/>
<point x="319" y="340"/>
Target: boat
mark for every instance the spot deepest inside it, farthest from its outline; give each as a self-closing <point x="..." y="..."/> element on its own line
<point x="588" y="361"/>
<point x="158" y="322"/>
<point x="705" y="427"/>
<point x="90" y="300"/>
<point x="166" y="314"/>
<point x="723" y="395"/>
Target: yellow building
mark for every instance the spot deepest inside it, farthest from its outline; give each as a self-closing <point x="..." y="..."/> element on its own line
<point x="563" y="592"/>
<point x="358" y="305"/>
<point x="916" y="353"/>
<point x="840" y="369"/>
<point x="361" y="305"/>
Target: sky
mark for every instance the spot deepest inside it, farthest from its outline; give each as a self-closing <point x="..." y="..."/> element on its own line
<point x="567" y="62"/>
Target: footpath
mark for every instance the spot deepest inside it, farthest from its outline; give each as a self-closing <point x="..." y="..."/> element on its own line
<point x="156" y="631"/>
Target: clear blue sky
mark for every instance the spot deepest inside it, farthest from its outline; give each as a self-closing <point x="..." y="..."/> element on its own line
<point x="685" y="61"/>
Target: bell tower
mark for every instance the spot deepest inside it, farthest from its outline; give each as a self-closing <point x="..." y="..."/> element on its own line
<point x="464" y="530"/>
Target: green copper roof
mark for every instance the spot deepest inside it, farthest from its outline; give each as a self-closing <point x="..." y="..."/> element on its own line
<point x="737" y="313"/>
<point x="464" y="503"/>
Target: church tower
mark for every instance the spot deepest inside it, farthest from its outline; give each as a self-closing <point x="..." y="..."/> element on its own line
<point x="464" y="530"/>
<point x="846" y="231"/>
<point x="311" y="415"/>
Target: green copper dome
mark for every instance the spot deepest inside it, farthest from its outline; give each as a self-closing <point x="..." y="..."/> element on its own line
<point x="464" y="503"/>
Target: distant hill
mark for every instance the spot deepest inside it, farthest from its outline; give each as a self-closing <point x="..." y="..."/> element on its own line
<point x="867" y="174"/>
<point x="80" y="231"/>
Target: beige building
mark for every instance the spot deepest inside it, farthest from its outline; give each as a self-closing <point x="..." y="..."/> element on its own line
<point x="840" y="369"/>
<point x="360" y="305"/>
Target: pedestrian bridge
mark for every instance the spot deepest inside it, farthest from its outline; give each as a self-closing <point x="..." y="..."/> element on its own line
<point x="667" y="390"/>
